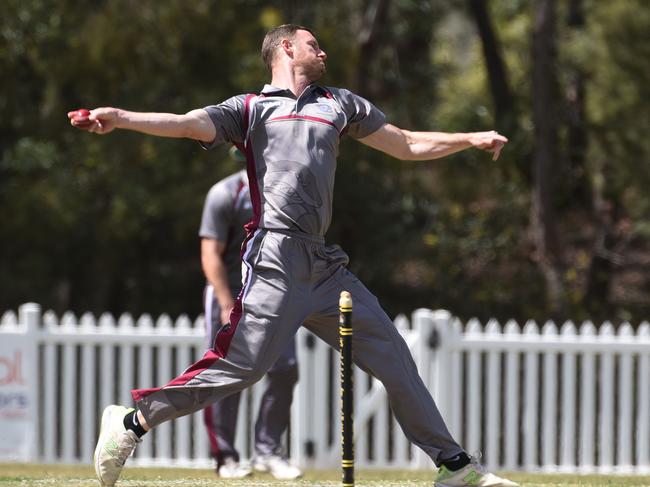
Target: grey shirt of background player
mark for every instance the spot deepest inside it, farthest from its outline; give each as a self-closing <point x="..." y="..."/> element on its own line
<point x="226" y="210"/>
<point x="294" y="143"/>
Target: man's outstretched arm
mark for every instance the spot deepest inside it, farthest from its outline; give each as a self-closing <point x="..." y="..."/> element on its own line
<point x="422" y="146"/>
<point x="195" y="124"/>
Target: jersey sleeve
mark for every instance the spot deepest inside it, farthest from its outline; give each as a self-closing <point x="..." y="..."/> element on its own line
<point x="228" y="120"/>
<point x="216" y="216"/>
<point x="363" y="118"/>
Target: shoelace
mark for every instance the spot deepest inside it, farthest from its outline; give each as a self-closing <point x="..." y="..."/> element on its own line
<point x="126" y="448"/>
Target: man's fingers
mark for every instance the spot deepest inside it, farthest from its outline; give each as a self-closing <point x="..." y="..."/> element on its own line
<point x="83" y="125"/>
<point x="88" y="125"/>
<point x="97" y="121"/>
<point x="492" y="142"/>
<point x="496" y="150"/>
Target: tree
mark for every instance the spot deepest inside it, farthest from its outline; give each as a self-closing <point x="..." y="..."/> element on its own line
<point x="544" y="217"/>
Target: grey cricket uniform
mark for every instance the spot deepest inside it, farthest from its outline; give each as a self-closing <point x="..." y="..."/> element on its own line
<point x="291" y="276"/>
<point x="226" y="210"/>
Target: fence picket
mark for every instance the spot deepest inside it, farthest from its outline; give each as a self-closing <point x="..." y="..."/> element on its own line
<point x="587" y="402"/>
<point x="531" y="406"/>
<point x="69" y="394"/>
<point x="606" y="415"/>
<point x="454" y="390"/>
<point x="473" y="439"/>
<point x="568" y="435"/>
<point x="511" y="401"/>
<point x="360" y="381"/>
<point x="643" y="409"/>
<point x="493" y="406"/>
<point x="88" y="419"/>
<point x="380" y="443"/>
<point x="50" y="408"/>
<point x="107" y="371"/>
<point x="549" y="405"/>
<point x="125" y="326"/>
<point x="625" y="409"/>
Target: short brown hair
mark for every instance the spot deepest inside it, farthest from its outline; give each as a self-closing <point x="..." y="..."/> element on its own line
<point x="273" y="38"/>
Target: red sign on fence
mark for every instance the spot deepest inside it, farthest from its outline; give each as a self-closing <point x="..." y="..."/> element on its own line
<point x="17" y="397"/>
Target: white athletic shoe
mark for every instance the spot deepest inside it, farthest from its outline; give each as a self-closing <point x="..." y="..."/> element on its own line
<point x="472" y="474"/>
<point x="232" y="469"/>
<point x="114" y="445"/>
<point x="277" y="466"/>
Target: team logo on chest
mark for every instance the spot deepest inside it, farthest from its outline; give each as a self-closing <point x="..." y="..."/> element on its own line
<point x="323" y="108"/>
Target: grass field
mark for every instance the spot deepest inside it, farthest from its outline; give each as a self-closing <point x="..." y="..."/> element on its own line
<point x="14" y="475"/>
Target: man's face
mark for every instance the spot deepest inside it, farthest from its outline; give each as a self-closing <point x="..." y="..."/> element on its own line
<point x="308" y="56"/>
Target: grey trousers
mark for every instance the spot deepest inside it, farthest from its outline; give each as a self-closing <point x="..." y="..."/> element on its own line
<point x="272" y="421"/>
<point x="291" y="280"/>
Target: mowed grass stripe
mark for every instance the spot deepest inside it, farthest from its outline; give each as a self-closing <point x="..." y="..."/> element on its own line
<point x="23" y="475"/>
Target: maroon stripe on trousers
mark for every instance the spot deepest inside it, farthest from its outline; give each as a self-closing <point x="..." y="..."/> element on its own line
<point x="209" y="358"/>
<point x="224" y="337"/>
<point x="208" y="419"/>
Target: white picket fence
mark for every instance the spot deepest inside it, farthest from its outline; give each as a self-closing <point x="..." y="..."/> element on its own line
<point x="573" y="399"/>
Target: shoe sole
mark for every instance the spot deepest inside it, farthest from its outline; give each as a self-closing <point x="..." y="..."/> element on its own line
<point x="241" y="475"/>
<point x="438" y="484"/>
<point x="265" y="469"/>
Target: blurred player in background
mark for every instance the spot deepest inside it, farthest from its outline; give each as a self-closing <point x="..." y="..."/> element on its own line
<point x="226" y="210"/>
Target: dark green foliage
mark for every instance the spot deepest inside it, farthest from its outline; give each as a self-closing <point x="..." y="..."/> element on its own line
<point x="110" y="223"/>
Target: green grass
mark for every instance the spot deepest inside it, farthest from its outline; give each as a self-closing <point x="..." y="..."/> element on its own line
<point x="20" y="475"/>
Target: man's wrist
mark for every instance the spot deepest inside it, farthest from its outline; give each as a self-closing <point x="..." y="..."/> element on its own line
<point x="120" y="118"/>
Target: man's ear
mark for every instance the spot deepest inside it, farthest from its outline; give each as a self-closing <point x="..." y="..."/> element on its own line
<point x="287" y="47"/>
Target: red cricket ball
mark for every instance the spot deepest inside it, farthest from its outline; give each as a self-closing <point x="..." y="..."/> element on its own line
<point x="80" y="118"/>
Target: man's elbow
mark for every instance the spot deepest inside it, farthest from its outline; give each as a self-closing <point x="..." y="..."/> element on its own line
<point x="405" y="153"/>
<point x="405" y="150"/>
<point x="196" y="127"/>
<point x="194" y="132"/>
<point x="400" y="151"/>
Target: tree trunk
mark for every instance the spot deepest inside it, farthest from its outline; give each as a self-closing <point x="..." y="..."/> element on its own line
<point x="544" y="220"/>
<point x="601" y="265"/>
<point x="576" y="176"/>
<point x="496" y="71"/>
<point x="415" y="76"/>
<point x="374" y="18"/>
<point x="604" y="214"/>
